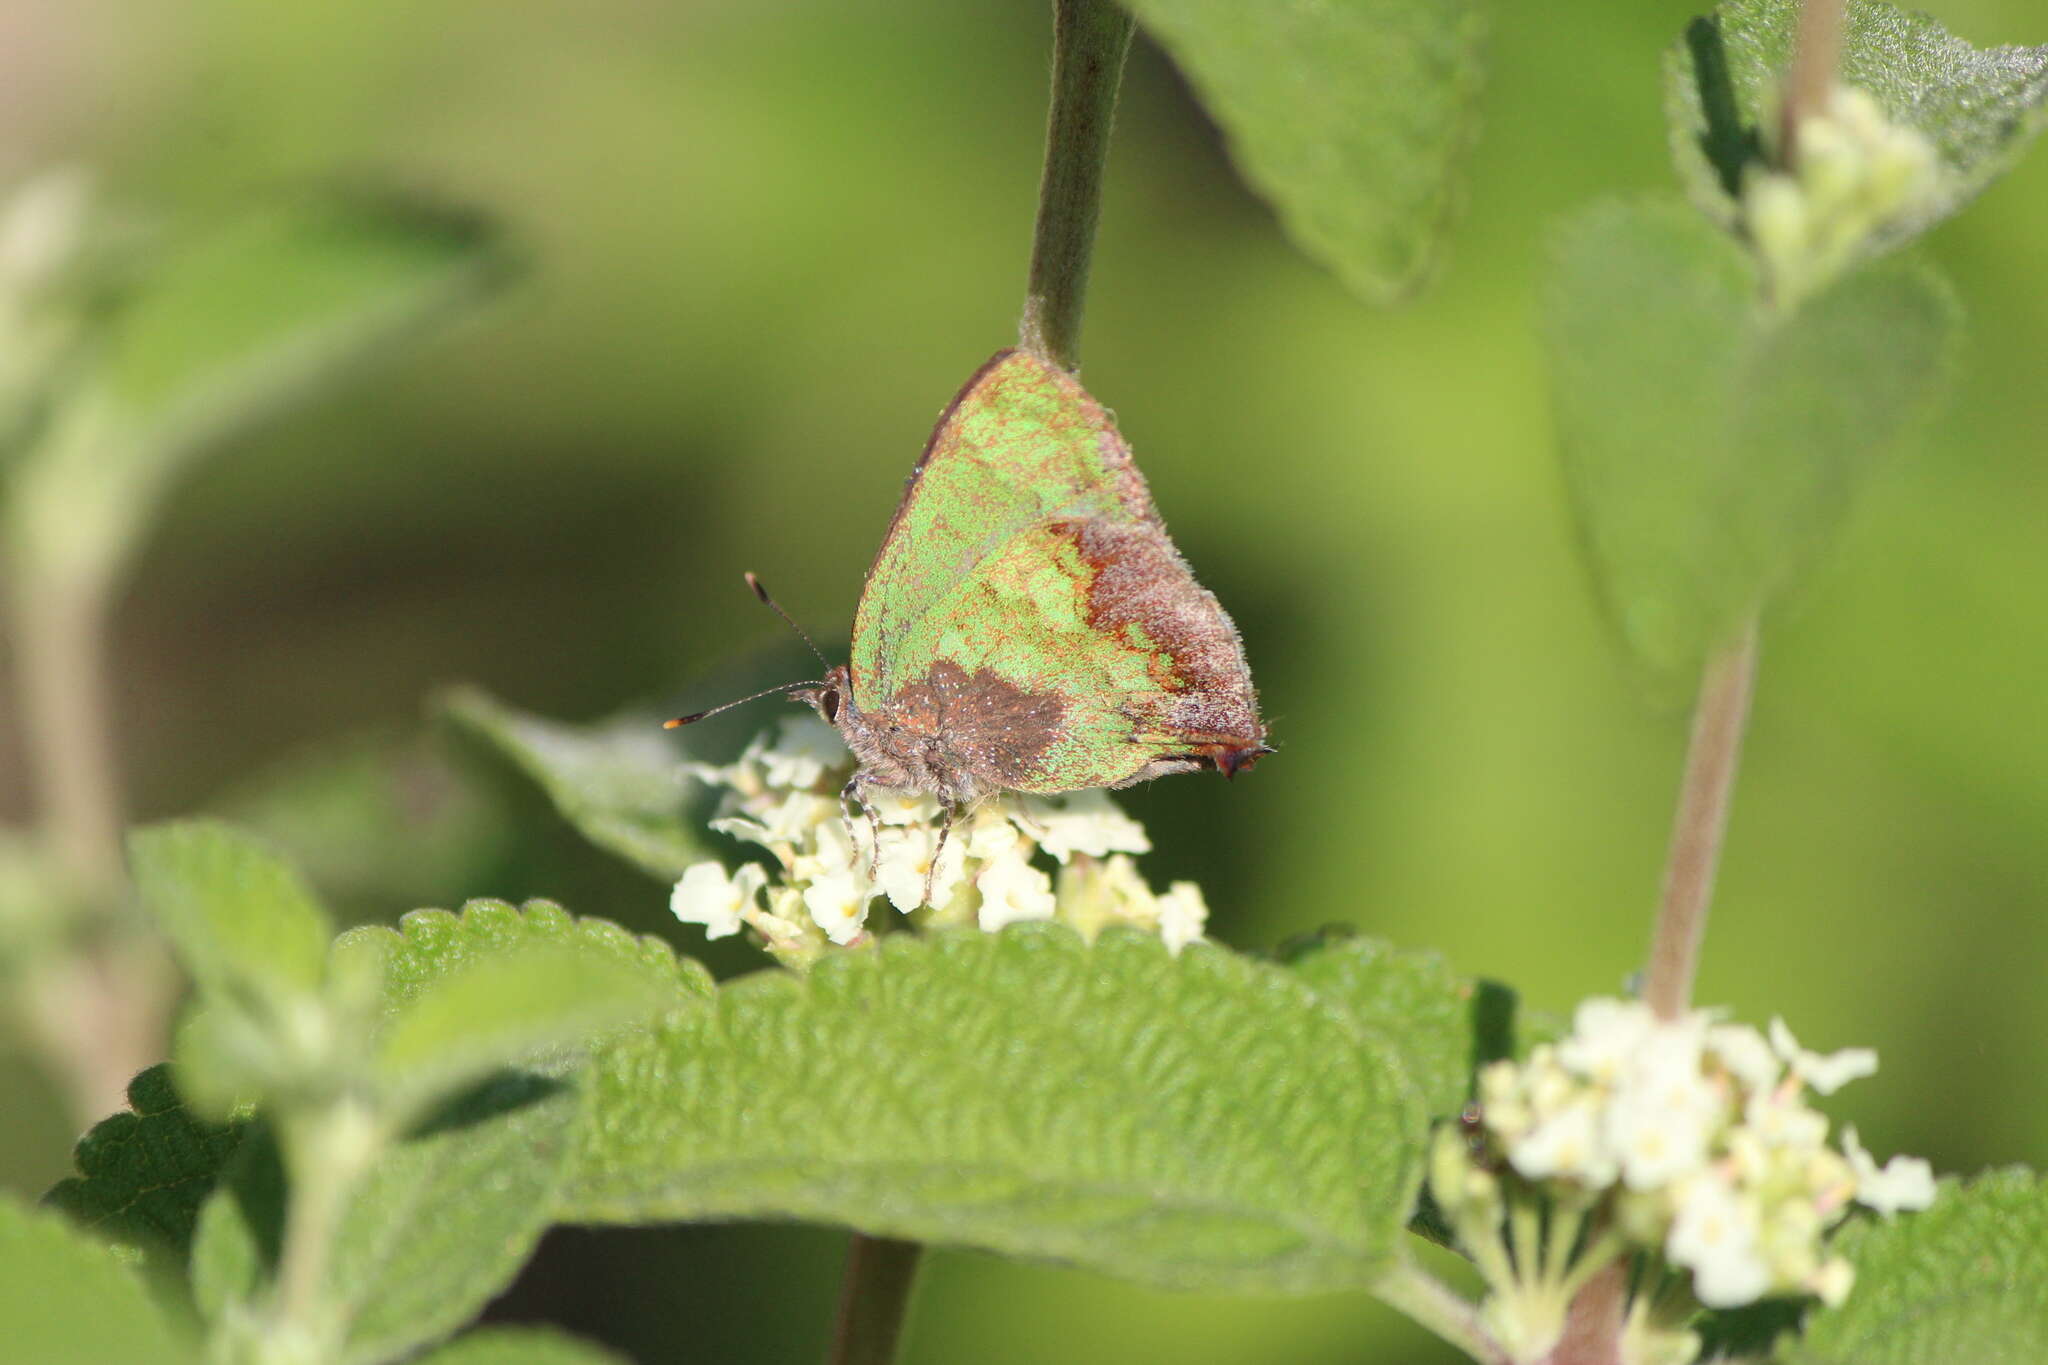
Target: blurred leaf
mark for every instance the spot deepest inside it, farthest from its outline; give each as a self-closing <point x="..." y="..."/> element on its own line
<point x="375" y="819"/>
<point x="232" y="327"/>
<point x="67" y="1300"/>
<point x="520" y="1346"/>
<point x="1351" y="116"/>
<point x="447" y="1218"/>
<point x="1408" y="1003"/>
<point x="620" y="782"/>
<point x="1966" y="1280"/>
<point x="1748" y="1332"/>
<point x="240" y="917"/>
<point x="1978" y="107"/>
<point x="1202" y="1121"/>
<point x="143" y="1175"/>
<point x="1710" y="448"/>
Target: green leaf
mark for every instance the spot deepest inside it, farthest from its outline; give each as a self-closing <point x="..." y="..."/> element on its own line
<point x="1978" y="107"/>
<point x="1204" y="1121"/>
<point x="67" y="1300"/>
<point x="240" y="917"/>
<point x="620" y="783"/>
<point x="143" y="1175"/>
<point x="225" y="330"/>
<point x="1351" y="116"/>
<point x="1966" y="1280"/>
<point x="1409" y="1003"/>
<point x="1710" y="447"/>
<point x="520" y="1346"/>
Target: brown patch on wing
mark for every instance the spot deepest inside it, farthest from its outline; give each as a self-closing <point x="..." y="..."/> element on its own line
<point x="1140" y="580"/>
<point x="980" y="722"/>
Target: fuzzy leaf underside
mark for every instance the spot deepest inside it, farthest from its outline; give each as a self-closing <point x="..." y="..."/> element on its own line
<point x="143" y="1174"/>
<point x="1979" y="107"/>
<point x="1196" y="1122"/>
<point x="1710" y="447"/>
<point x="242" y="919"/>
<point x="67" y="1300"/>
<point x="1351" y="116"/>
<point x="1963" y="1281"/>
<point x="619" y="782"/>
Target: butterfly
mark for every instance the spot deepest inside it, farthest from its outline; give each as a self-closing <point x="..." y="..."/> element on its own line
<point x="1027" y="625"/>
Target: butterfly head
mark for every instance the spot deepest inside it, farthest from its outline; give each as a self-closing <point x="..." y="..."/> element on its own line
<point x="831" y="698"/>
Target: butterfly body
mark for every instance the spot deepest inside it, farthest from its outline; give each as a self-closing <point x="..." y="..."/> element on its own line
<point x="1027" y="624"/>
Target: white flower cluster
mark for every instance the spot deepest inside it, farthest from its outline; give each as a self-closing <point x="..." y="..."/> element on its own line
<point x="1690" y="1141"/>
<point x="783" y="794"/>
<point x="1856" y="173"/>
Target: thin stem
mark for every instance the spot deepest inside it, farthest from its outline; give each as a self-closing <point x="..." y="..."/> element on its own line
<point x="1592" y="1326"/>
<point x="1433" y="1304"/>
<point x="874" y="1297"/>
<point x="1810" y="81"/>
<point x="327" y="1149"/>
<point x="1710" y="762"/>
<point x="1090" y="41"/>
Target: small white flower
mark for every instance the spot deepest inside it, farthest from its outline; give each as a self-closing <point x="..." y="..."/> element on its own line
<point x="988" y="833"/>
<point x="1745" y="1054"/>
<point x="1567" y="1145"/>
<point x="707" y="895"/>
<point x="1182" y="916"/>
<point x="1715" y="1236"/>
<point x="1081" y="822"/>
<point x="1832" y="1282"/>
<point x="904" y="869"/>
<point x="1779" y="1118"/>
<point x="803" y="752"/>
<point x="893" y="807"/>
<point x="1012" y="890"/>
<point x="1905" y="1182"/>
<point x="1825" y="1072"/>
<point x="1660" y="1131"/>
<point x="838" y="903"/>
<point x="1605" y="1035"/>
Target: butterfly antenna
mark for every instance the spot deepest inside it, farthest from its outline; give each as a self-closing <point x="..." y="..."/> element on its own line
<point x="776" y="607"/>
<point x="693" y="718"/>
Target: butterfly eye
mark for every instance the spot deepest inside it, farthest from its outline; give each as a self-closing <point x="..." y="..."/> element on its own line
<point x="828" y="705"/>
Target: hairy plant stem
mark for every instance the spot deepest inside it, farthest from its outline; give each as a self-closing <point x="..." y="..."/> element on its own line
<point x="874" y="1298"/>
<point x="327" y="1148"/>
<point x="1433" y="1304"/>
<point x="1593" y="1324"/>
<point x="1810" y="80"/>
<point x="1711" y="759"/>
<point x="1091" y="38"/>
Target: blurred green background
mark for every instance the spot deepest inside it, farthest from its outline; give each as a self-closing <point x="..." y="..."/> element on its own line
<point x="768" y="241"/>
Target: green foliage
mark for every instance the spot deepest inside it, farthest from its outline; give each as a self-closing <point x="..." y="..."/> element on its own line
<point x="66" y="1300"/>
<point x="546" y="983"/>
<point x="242" y="920"/>
<point x="1979" y="108"/>
<point x="1710" y="446"/>
<point x="1351" y="117"/>
<point x="1200" y="1121"/>
<point x="142" y="1175"/>
<point x="224" y="330"/>
<point x="1408" y="1003"/>
<point x="1966" y="1280"/>
<point x="620" y="783"/>
<point x="519" y="1346"/>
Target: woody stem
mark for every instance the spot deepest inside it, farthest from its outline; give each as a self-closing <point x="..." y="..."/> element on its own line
<point x="1090" y="41"/>
<point x="874" y="1296"/>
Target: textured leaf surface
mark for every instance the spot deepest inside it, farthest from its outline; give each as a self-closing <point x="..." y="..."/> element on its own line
<point x="66" y="1300"/>
<point x="1351" y="116"/>
<point x="1200" y="1121"/>
<point x="1964" y="1281"/>
<point x="1410" y="1003"/>
<point x="620" y="783"/>
<point x="520" y="1346"/>
<point x="1709" y="449"/>
<point x="1978" y="107"/>
<point x="239" y="915"/>
<point x="142" y="1175"/>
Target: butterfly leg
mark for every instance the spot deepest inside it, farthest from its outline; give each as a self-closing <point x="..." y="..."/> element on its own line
<point x="931" y="873"/>
<point x="854" y="791"/>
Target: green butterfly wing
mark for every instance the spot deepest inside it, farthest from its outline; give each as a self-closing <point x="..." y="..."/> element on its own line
<point x="1026" y="553"/>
